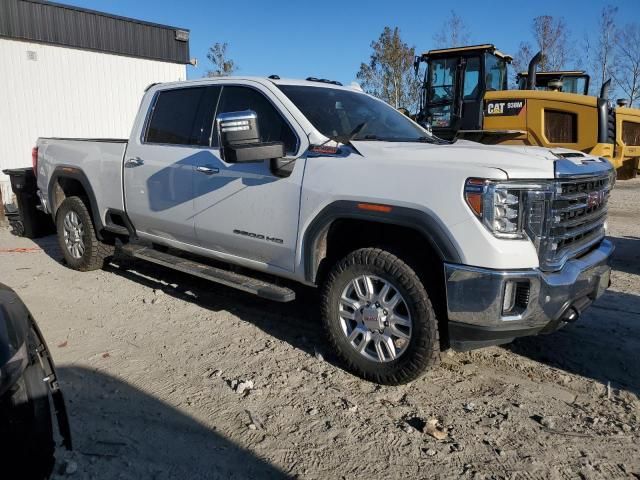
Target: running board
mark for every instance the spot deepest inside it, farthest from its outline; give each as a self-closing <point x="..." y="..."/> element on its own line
<point x="230" y="279"/>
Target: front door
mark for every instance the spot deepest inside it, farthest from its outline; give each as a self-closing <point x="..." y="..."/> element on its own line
<point x="442" y="96"/>
<point x="472" y="94"/>
<point x="159" y="166"/>
<point x="243" y="209"/>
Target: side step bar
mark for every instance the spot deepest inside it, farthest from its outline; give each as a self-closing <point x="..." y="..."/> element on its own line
<point x="218" y="275"/>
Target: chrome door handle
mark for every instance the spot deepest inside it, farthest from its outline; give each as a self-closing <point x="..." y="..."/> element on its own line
<point x="207" y="170"/>
<point x="134" y="162"/>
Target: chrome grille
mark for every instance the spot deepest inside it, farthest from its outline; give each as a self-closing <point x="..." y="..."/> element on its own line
<point x="578" y="214"/>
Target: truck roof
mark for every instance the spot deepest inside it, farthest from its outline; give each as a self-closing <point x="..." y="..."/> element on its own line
<point x="274" y="79"/>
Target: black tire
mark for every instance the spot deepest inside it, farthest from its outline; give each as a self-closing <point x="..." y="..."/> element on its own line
<point x="26" y="424"/>
<point x="95" y="252"/>
<point x="423" y="349"/>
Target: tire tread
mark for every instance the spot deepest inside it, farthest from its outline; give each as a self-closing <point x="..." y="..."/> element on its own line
<point x="424" y="354"/>
<point x="96" y="252"/>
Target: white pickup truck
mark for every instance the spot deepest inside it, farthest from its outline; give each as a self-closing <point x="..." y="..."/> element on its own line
<point x="417" y="244"/>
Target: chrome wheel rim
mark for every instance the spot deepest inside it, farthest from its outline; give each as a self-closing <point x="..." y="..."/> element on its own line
<point x="375" y="318"/>
<point x="73" y="230"/>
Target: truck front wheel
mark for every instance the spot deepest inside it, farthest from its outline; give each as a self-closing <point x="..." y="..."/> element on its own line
<point x="378" y="317"/>
<point x="77" y="237"/>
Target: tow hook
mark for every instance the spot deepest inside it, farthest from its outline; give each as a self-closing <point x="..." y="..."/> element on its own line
<point x="570" y="315"/>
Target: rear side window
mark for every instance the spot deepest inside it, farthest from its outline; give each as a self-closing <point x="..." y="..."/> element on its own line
<point x="273" y="128"/>
<point x="183" y="116"/>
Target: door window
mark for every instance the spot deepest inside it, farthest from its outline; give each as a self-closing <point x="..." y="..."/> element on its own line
<point x="443" y="74"/>
<point x="471" y="78"/>
<point x="273" y="128"/>
<point x="183" y="116"/>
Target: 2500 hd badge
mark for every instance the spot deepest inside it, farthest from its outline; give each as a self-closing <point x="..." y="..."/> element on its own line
<point x="258" y="236"/>
<point x="506" y="109"/>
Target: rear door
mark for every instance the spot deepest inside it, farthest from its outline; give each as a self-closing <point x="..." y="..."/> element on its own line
<point x="243" y="209"/>
<point x="161" y="158"/>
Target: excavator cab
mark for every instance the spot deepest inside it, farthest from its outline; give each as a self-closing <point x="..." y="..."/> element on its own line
<point x="455" y="82"/>
<point x="574" y="81"/>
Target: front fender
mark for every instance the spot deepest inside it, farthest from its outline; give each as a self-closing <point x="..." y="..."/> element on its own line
<point x="427" y="225"/>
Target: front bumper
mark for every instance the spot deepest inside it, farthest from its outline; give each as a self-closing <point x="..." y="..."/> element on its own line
<point x="545" y="300"/>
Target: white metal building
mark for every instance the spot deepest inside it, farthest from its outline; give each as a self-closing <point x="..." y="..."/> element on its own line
<point x="72" y="72"/>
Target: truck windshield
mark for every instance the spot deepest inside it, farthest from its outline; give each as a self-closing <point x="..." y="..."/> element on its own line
<point x="343" y="115"/>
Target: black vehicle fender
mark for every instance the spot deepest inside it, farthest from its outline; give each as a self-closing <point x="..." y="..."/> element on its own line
<point x="75" y="173"/>
<point x="22" y="344"/>
<point x="427" y="224"/>
<point x="14" y="330"/>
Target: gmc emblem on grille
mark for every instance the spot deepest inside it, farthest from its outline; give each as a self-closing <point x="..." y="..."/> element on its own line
<point x="595" y="199"/>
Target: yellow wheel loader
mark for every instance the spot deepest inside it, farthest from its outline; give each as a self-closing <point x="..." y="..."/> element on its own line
<point x="465" y="95"/>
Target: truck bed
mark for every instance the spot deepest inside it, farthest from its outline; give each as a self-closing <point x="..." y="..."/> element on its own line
<point x="98" y="160"/>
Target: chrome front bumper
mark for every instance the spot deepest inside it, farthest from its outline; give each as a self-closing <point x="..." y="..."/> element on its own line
<point x="476" y="298"/>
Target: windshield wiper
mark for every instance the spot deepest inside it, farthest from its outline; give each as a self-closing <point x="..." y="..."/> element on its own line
<point x="346" y="139"/>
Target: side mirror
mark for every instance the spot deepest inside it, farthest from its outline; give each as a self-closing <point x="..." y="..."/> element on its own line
<point x="239" y="137"/>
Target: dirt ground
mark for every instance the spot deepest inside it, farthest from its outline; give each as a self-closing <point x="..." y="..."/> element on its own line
<point x="168" y="376"/>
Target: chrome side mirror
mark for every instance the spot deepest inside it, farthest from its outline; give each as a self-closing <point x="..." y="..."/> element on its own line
<point x="239" y="136"/>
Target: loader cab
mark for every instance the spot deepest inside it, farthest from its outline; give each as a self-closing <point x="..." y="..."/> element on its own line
<point x="575" y="81"/>
<point x="454" y="85"/>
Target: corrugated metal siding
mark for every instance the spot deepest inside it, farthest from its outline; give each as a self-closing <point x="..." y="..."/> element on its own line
<point x="58" y="24"/>
<point x="66" y="92"/>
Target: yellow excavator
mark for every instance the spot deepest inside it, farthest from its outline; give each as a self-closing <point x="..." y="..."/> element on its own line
<point x="465" y="95"/>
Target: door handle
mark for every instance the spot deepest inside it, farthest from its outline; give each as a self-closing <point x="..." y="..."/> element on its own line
<point x="133" y="162"/>
<point x="207" y="170"/>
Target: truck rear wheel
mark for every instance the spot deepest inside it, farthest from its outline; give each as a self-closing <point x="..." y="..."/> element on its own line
<point x="77" y="237"/>
<point x="378" y="317"/>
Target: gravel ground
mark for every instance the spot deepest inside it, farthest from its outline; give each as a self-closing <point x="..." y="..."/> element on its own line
<point x="167" y="376"/>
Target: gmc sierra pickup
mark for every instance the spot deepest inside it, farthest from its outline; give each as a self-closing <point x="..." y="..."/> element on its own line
<point x="417" y="244"/>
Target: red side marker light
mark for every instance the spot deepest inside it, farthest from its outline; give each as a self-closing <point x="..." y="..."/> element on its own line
<point x="34" y="159"/>
<point x="324" y="150"/>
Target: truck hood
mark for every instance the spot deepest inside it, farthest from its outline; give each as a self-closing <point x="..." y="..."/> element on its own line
<point x="516" y="161"/>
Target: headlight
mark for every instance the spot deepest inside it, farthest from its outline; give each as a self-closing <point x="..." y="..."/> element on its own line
<point x="502" y="205"/>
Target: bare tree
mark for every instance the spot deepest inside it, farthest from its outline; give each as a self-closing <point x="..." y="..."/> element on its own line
<point x="601" y="53"/>
<point x="454" y="33"/>
<point x="389" y="73"/>
<point x="626" y="70"/>
<point x="551" y="36"/>
<point x="522" y="57"/>
<point x="223" y="66"/>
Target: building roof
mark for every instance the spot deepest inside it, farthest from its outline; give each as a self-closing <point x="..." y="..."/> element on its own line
<point x="470" y="48"/>
<point x="56" y="24"/>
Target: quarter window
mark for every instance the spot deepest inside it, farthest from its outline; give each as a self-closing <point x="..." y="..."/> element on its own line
<point x="273" y="128"/>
